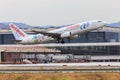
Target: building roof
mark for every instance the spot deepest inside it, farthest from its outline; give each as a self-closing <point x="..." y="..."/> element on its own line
<point x="23" y="48"/>
<point x="43" y="47"/>
<point x="117" y="24"/>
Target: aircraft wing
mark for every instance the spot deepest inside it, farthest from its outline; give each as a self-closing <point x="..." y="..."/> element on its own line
<point x="114" y="27"/>
<point x="53" y="35"/>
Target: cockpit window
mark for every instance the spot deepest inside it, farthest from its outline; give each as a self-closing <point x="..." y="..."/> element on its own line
<point x="99" y="21"/>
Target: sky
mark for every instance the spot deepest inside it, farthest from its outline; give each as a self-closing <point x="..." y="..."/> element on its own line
<point x="58" y="12"/>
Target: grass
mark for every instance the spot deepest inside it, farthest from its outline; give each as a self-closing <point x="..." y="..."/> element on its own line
<point x="61" y="76"/>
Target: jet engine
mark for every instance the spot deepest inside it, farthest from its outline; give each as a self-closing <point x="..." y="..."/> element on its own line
<point x="75" y="36"/>
<point x="66" y="34"/>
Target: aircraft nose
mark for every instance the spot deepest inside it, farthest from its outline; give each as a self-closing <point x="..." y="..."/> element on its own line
<point x="104" y="23"/>
<point x="100" y="23"/>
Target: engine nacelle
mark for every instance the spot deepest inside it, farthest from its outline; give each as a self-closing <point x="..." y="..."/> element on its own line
<point x="66" y="34"/>
<point x="75" y="36"/>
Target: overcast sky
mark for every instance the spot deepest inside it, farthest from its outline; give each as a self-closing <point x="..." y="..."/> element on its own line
<point x="58" y="12"/>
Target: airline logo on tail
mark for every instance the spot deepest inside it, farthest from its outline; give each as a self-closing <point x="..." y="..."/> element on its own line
<point x="18" y="31"/>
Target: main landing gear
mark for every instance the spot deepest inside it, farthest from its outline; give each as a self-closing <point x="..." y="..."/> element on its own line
<point x="63" y="41"/>
<point x="60" y="41"/>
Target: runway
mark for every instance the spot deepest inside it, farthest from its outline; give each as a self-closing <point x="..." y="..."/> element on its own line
<point x="62" y="67"/>
<point x="88" y="64"/>
<point x="65" y="44"/>
<point x="60" y="71"/>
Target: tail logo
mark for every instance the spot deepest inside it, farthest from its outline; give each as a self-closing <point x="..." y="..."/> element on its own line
<point x="17" y="30"/>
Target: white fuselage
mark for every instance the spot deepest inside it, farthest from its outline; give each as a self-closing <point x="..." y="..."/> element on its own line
<point x="35" y="39"/>
<point x="65" y="32"/>
<point x="79" y="28"/>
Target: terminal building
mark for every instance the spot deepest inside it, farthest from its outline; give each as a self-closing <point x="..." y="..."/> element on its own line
<point x="13" y="54"/>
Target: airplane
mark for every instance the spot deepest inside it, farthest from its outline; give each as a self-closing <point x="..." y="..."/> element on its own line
<point x="71" y="31"/>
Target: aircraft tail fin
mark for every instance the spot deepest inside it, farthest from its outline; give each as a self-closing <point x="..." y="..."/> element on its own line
<point x="17" y="32"/>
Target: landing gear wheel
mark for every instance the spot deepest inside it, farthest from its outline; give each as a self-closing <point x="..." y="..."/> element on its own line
<point x="58" y="41"/>
<point x="62" y="41"/>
